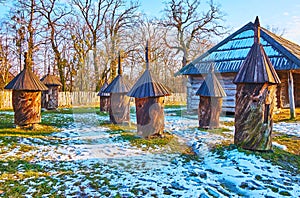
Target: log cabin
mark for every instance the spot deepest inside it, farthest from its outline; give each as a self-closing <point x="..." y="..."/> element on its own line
<point x="149" y="103"/>
<point x="119" y="111"/>
<point x="256" y="83"/>
<point x="26" y="97"/>
<point x="227" y="57"/>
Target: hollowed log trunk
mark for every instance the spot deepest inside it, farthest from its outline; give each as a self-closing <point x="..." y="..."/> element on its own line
<point x="119" y="112"/>
<point x="254" y="116"/>
<point x="104" y="103"/>
<point x="50" y="98"/>
<point x="27" y="107"/>
<point x="150" y="116"/>
<point x="209" y="112"/>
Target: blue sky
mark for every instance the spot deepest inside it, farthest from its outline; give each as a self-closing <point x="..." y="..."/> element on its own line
<point x="282" y="14"/>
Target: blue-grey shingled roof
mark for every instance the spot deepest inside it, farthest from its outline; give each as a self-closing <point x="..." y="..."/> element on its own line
<point x="101" y="93"/>
<point x="229" y="54"/>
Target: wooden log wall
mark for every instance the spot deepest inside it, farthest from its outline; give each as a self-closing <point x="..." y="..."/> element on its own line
<point x="150" y="116"/>
<point x="281" y="100"/>
<point x="27" y="107"/>
<point x="119" y="112"/>
<point x="194" y="82"/>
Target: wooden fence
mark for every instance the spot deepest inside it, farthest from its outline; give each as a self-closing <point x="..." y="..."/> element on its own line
<point x="70" y="99"/>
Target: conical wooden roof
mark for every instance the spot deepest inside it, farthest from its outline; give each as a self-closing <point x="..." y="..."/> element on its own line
<point x="119" y="84"/>
<point x="51" y="80"/>
<point x="257" y="67"/>
<point x="211" y="86"/>
<point x="147" y="86"/>
<point x="26" y="80"/>
<point x="101" y="93"/>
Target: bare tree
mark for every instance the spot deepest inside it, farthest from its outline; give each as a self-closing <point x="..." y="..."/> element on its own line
<point x="120" y="18"/>
<point x="54" y="14"/>
<point x="94" y="13"/>
<point x="191" y="25"/>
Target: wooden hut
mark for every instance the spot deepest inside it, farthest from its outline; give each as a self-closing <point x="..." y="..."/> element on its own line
<point x="119" y="111"/>
<point x="26" y="97"/>
<point x="210" y="104"/>
<point x="228" y="56"/>
<point x="255" y="98"/>
<point x="50" y="97"/>
<point x="104" y="98"/>
<point x="149" y="103"/>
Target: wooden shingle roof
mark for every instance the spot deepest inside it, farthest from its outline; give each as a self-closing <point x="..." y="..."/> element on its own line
<point x="26" y="80"/>
<point x="211" y="86"/>
<point x="229" y="54"/>
<point x="119" y="83"/>
<point x="51" y="80"/>
<point x="147" y="86"/>
<point x="257" y="67"/>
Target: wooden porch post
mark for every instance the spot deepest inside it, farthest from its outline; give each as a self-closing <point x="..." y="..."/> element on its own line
<point x="291" y="94"/>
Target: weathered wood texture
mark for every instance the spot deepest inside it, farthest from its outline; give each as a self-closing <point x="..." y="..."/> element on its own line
<point x="50" y="98"/>
<point x="119" y="112"/>
<point x="254" y="116"/>
<point x="291" y="95"/>
<point x="228" y="105"/>
<point x="194" y="82"/>
<point x="150" y="116"/>
<point x="104" y="103"/>
<point x="209" y="112"/>
<point x="27" y="107"/>
<point x="69" y="99"/>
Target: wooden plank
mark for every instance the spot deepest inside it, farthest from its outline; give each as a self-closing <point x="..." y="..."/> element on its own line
<point x="291" y="95"/>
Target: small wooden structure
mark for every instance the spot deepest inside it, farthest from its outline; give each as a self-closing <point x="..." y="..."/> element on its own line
<point x="149" y="102"/>
<point x="50" y="97"/>
<point x="26" y="97"/>
<point x="119" y="111"/>
<point x="210" y="105"/>
<point x="255" y="98"/>
<point x="104" y="98"/>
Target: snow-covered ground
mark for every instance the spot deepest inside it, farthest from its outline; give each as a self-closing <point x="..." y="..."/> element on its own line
<point x="101" y="166"/>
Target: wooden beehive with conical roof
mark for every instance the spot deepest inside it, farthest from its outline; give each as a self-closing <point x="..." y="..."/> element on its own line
<point x="149" y="102"/>
<point x="119" y="111"/>
<point x="255" y="98"/>
<point x="210" y="104"/>
<point x="50" y="97"/>
<point x="26" y="97"/>
<point x="104" y="98"/>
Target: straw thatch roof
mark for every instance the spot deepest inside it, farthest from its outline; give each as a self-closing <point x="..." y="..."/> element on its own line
<point x="26" y="80"/>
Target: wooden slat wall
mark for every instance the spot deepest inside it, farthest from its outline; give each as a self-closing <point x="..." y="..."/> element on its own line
<point x="68" y="99"/>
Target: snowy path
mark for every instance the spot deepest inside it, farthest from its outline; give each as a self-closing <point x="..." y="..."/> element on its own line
<point x="99" y="166"/>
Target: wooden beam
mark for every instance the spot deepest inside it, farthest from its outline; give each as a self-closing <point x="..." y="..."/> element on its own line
<point x="291" y="94"/>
